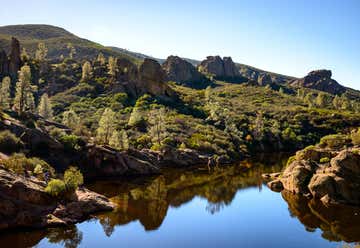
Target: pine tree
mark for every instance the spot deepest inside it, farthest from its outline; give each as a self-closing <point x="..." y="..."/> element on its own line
<point x="106" y="126"/>
<point x="45" y="109"/>
<point x="136" y="116"/>
<point x="41" y="52"/>
<point x="115" y="140"/>
<point x="30" y="102"/>
<point x="86" y="71"/>
<point x="157" y="128"/>
<point x="71" y="119"/>
<point x="72" y="50"/>
<point x="101" y="59"/>
<point x="112" y="66"/>
<point x="259" y="126"/>
<point x="5" y="93"/>
<point x="23" y="93"/>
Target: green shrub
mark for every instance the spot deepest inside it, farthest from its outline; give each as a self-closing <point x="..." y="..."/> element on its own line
<point x="9" y="143"/>
<point x="55" y="187"/>
<point x="324" y="160"/>
<point x="69" y="141"/>
<point x="19" y="164"/>
<point x="73" y="178"/>
<point x="290" y="160"/>
<point x="335" y="141"/>
<point x="355" y="137"/>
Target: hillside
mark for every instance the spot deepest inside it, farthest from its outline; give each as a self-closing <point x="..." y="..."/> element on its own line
<point x="56" y="39"/>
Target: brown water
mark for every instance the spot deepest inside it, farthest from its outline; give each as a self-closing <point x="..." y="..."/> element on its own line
<point x="225" y="207"/>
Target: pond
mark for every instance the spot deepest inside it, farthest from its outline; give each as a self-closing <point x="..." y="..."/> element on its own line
<point x="225" y="207"/>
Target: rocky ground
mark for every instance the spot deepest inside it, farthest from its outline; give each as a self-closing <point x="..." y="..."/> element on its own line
<point x="330" y="175"/>
<point x="25" y="204"/>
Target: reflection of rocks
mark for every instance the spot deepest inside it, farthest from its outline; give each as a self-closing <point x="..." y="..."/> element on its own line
<point x="148" y="200"/>
<point x="337" y="222"/>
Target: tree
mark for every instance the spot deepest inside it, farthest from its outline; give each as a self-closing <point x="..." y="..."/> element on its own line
<point x="112" y="66"/>
<point x="136" y="116"/>
<point x="5" y="93"/>
<point x="45" y="109"/>
<point x="72" y="50"/>
<point x="24" y="55"/>
<point x="106" y="126"/>
<point x="41" y="52"/>
<point x="23" y="95"/>
<point x="337" y="103"/>
<point x="86" y="71"/>
<point x="308" y="99"/>
<point x="320" y="100"/>
<point x="101" y="59"/>
<point x="71" y="119"/>
<point x="259" y="126"/>
<point x="30" y="102"/>
<point x="119" y="140"/>
<point x="157" y="128"/>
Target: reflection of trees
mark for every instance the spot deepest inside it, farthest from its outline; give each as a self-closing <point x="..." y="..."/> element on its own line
<point x="69" y="237"/>
<point x="148" y="200"/>
<point x="336" y="222"/>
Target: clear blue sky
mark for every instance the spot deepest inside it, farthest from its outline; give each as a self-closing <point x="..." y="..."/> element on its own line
<point x="284" y="36"/>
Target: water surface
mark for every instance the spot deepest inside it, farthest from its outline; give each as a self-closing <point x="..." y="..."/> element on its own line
<point x="225" y="207"/>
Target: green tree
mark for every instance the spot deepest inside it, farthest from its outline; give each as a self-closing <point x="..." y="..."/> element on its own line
<point x="119" y="140"/>
<point x="259" y="126"/>
<point x="157" y="130"/>
<point x="320" y="100"/>
<point x="71" y="119"/>
<point x="136" y="116"/>
<point x="309" y="100"/>
<point x="337" y="102"/>
<point x="101" y="59"/>
<point x="5" y="93"/>
<point x="41" y="52"/>
<point x="86" y="71"/>
<point x="72" y="50"/>
<point x="106" y="126"/>
<point x="112" y="66"/>
<point x="23" y="95"/>
<point x="45" y="109"/>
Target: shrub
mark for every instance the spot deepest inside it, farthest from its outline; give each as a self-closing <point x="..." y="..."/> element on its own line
<point x="335" y="141"/>
<point x="324" y="160"/>
<point x="290" y="160"/>
<point x="73" y="178"/>
<point x="55" y="187"/>
<point x="9" y="143"/>
<point x="355" y="137"/>
<point x="69" y="141"/>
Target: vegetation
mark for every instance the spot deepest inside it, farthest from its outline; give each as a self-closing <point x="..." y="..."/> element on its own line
<point x="55" y="187"/>
<point x="73" y="178"/>
<point x="45" y="109"/>
<point x="9" y="143"/>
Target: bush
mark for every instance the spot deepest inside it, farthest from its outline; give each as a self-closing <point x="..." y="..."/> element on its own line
<point x="9" y="143"/>
<point x="324" y="160"/>
<point x="55" y="187"/>
<point x="19" y="164"/>
<point x="335" y="141"/>
<point x="69" y="141"/>
<point x="355" y="137"/>
<point x="73" y="178"/>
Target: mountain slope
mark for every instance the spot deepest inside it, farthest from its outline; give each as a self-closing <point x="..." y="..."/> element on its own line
<point x="56" y="40"/>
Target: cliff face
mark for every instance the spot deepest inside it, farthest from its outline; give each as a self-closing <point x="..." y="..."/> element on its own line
<point x="320" y="80"/>
<point x="181" y="71"/>
<point x="219" y="68"/>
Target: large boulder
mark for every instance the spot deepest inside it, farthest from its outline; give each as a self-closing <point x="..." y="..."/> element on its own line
<point x="337" y="181"/>
<point x="14" y="58"/>
<point x="230" y="69"/>
<point x="212" y="65"/>
<point x="320" y="80"/>
<point x="181" y="71"/>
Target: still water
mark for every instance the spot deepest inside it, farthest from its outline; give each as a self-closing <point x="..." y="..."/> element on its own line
<point x="226" y="207"/>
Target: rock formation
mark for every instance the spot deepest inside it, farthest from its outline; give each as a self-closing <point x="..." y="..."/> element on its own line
<point x="220" y="68"/>
<point x="264" y="79"/>
<point x="4" y="64"/>
<point x="14" y="58"/>
<point x="181" y="71"/>
<point x="24" y="204"/>
<point x="336" y="181"/>
<point x="320" y="80"/>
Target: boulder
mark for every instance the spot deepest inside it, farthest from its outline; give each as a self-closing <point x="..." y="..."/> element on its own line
<point x="212" y="65"/>
<point x="181" y="71"/>
<point x="230" y="69"/>
<point x="14" y="58"/>
<point x="320" y="80"/>
<point x="25" y="204"/>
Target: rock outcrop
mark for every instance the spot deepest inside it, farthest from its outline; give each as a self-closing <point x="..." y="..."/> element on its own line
<point x="4" y="64"/>
<point x="14" y="58"/>
<point x="220" y="68"/>
<point x="320" y="80"/>
<point x="264" y="79"/>
<point x="181" y="71"/>
<point x="311" y="175"/>
<point x="25" y="204"/>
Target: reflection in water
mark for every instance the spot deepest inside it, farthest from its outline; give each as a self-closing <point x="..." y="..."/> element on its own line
<point x="147" y="200"/>
<point x="338" y="223"/>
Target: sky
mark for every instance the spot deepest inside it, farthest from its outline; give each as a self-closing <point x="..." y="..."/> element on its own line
<point x="284" y="36"/>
